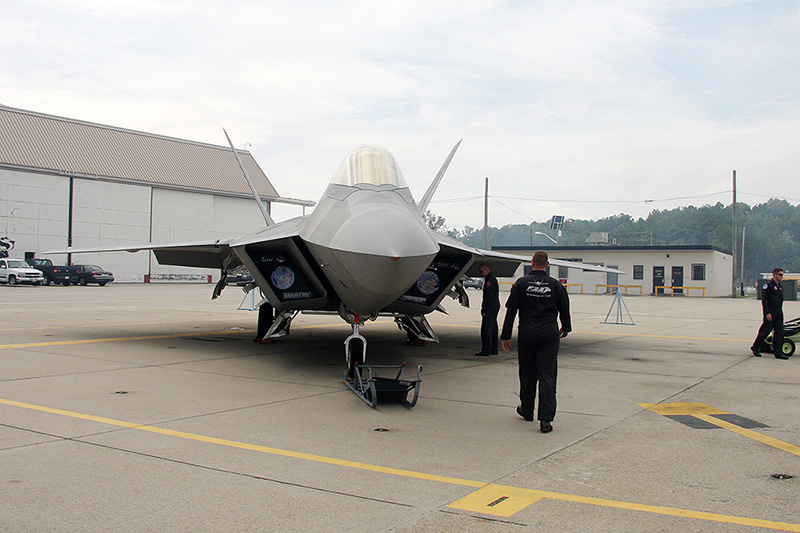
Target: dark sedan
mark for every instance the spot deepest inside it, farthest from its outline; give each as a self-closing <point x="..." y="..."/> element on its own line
<point x="85" y="274"/>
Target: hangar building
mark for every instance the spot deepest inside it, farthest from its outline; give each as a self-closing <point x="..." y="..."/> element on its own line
<point x="67" y="182"/>
<point x="690" y="270"/>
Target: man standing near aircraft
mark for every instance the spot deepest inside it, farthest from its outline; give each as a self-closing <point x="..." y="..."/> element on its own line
<point x="772" y="307"/>
<point x="490" y="308"/>
<point x="541" y="301"/>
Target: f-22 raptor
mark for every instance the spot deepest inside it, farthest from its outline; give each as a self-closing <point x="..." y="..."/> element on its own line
<point x="365" y="251"/>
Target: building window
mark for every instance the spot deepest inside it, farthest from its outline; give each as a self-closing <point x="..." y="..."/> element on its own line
<point x="563" y="272"/>
<point x="698" y="272"/>
<point x="638" y="271"/>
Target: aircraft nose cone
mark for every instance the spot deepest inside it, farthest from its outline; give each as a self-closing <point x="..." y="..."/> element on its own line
<point x="385" y="232"/>
<point x="376" y="256"/>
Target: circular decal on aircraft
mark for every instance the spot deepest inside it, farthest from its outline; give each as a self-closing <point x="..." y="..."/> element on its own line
<point x="428" y="283"/>
<point x="283" y="277"/>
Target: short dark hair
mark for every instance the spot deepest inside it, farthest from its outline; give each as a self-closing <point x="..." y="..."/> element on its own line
<point x="540" y="258"/>
<point x="776" y="270"/>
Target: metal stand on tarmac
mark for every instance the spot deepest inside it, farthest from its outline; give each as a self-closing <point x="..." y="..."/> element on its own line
<point x="619" y="303"/>
<point x="373" y="389"/>
<point x="250" y="295"/>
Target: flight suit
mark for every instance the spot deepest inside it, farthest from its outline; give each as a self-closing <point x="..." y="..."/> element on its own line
<point x="540" y="301"/>
<point x="490" y="308"/>
<point x="771" y="303"/>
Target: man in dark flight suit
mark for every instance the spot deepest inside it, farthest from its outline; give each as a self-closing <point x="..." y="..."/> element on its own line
<point x="490" y="308"/>
<point x="540" y="301"/>
<point x="772" y="307"/>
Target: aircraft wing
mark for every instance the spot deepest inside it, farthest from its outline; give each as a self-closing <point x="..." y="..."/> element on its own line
<point x="505" y="265"/>
<point x="456" y="259"/>
<point x="202" y="254"/>
<point x="262" y="252"/>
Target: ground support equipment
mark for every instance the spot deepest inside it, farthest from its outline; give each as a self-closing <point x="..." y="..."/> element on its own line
<point x="373" y="389"/>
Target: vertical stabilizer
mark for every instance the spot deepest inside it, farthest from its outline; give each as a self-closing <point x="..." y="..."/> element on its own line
<point x="423" y="204"/>
<point x="267" y="218"/>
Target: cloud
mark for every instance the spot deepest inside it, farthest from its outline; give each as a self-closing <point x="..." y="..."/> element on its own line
<point x="589" y="107"/>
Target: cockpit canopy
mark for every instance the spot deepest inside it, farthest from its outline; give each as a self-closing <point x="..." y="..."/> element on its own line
<point x="370" y="164"/>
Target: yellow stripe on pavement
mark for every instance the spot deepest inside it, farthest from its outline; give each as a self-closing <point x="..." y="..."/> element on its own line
<point x="492" y="499"/>
<point x="705" y="412"/>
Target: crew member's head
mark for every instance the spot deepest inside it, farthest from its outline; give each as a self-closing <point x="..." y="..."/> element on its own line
<point x="540" y="260"/>
<point x="777" y="274"/>
<point x="483" y="269"/>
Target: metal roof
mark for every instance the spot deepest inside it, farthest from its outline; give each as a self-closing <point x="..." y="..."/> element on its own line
<point x="615" y="248"/>
<point x="45" y="143"/>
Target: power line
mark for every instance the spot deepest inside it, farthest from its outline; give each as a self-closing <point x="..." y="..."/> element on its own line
<point x="574" y="201"/>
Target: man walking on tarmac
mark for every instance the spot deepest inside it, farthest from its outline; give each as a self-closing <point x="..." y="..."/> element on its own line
<point x="541" y="301"/>
<point x="772" y="307"/>
<point x="490" y="307"/>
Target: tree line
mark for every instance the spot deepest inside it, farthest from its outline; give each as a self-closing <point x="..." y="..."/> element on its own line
<point x="771" y="232"/>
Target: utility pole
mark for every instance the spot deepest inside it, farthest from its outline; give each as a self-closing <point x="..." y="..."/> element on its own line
<point x="733" y="241"/>
<point x="741" y="270"/>
<point x="486" y="216"/>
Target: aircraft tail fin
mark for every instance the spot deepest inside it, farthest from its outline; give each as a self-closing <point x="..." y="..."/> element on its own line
<point x="423" y="204"/>
<point x="267" y="218"/>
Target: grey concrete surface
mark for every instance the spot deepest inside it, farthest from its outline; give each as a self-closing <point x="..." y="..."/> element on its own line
<point x="149" y="408"/>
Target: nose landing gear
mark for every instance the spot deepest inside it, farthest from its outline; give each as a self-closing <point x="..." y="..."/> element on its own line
<point x="355" y="350"/>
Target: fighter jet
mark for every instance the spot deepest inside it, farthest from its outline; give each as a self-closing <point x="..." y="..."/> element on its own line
<point x="364" y="252"/>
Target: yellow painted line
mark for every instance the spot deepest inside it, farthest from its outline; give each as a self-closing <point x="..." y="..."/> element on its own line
<point x="685" y="408"/>
<point x="498" y="500"/>
<point x="319" y="326"/>
<point x="614" y="334"/>
<point x="750" y="434"/>
<point x="661" y="336"/>
<point x="247" y="446"/>
<point x="121" y="339"/>
<point x="146" y="338"/>
<point x="704" y="412"/>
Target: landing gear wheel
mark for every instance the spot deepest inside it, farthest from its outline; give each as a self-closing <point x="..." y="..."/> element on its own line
<point x="788" y="347"/>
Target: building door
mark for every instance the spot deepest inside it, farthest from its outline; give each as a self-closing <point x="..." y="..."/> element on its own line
<point x="658" y="280"/>
<point x="612" y="279"/>
<point x="677" y="279"/>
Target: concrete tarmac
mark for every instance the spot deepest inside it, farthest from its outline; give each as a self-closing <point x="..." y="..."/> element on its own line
<point x="149" y="408"/>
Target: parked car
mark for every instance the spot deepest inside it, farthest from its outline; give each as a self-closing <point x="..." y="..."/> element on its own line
<point x="239" y="276"/>
<point x="53" y="273"/>
<point x="85" y="274"/>
<point x="472" y="283"/>
<point x="13" y="271"/>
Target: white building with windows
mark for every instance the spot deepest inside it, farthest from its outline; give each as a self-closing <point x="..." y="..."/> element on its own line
<point x="67" y="182"/>
<point x="691" y="270"/>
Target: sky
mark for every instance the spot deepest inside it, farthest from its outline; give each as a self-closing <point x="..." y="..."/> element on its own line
<point x="585" y="109"/>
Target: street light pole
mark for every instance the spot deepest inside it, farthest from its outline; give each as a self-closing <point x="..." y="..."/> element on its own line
<point x="546" y="235"/>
